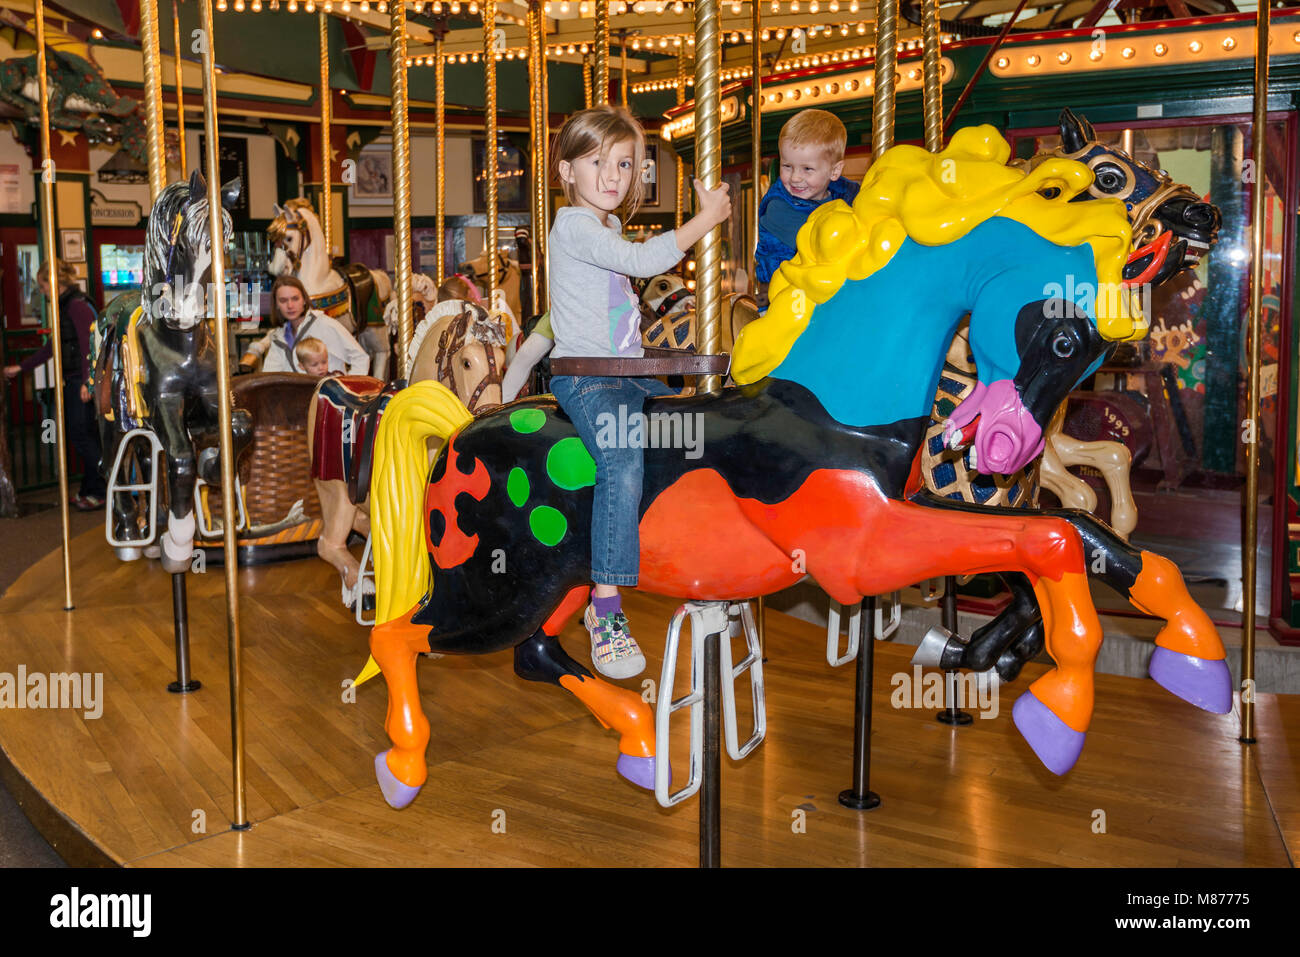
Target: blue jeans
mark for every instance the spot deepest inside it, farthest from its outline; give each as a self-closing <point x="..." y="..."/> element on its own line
<point x="615" y="512"/>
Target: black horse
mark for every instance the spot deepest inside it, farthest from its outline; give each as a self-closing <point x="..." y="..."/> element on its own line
<point x="1172" y="229"/>
<point x="157" y="369"/>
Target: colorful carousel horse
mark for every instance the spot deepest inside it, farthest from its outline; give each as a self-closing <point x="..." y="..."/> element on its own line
<point x="1172" y="229"/>
<point x="157" y="379"/>
<point x="457" y="344"/>
<point x="354" y="296"/>
<point x="810" y="463"/>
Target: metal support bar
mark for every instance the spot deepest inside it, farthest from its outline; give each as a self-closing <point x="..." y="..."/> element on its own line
<point x="860" y="797"/>
<point x="184" y="682"/>
<point x="951" y="714"/>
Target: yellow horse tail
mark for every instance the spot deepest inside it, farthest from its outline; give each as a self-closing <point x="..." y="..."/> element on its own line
<point x="419" y="412"/>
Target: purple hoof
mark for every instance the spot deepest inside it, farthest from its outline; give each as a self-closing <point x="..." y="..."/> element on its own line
<point x="640" y="771"/>
<point x="1200" y="681"/>
<point x="1056" y="743"/>
<point x="397" y="794"/>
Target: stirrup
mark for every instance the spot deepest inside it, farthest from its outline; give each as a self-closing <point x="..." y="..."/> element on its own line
<point x="150" y="489"/>
<point x="359" y="590"/>
<point x="710" y="621"/>
<point x="884" y="627"/>
<point x="207" y="530"/>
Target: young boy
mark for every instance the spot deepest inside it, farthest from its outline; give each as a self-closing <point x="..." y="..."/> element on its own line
<point x="313" y="358"/>
<point x="812" y="158"/>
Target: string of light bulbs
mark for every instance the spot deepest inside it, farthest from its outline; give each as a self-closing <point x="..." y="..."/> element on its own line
<point x="551" y="9"/>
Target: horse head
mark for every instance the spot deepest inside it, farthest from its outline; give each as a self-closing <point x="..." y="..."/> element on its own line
<point x="666" y="295"/>
<point x="462" y="346"/>
<point x="178" y="258"/>
<point x="290" y="234"/>
<point x="1172" y="226"/>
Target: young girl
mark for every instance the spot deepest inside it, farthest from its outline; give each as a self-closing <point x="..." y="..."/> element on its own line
<point x="594" y="312"/>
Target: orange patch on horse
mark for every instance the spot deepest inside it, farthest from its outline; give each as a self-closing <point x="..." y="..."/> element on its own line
<point x="455" y="547"/>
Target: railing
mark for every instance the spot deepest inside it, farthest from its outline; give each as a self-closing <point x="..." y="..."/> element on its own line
<point x="29" y="409"/>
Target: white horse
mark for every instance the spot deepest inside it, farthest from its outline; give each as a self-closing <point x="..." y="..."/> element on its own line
<point x="299" y="250"/>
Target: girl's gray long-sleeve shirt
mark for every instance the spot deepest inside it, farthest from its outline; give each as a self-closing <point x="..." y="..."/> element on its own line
<point x="594" y="311"/>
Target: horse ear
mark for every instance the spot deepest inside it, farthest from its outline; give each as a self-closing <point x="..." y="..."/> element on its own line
<point x="279" y="210"/>
<point x="230" y="192"/>
<point x="1075" y="132"/>
<point x="198" y="187"/>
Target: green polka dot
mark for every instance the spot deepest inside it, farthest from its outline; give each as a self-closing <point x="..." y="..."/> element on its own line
<point x="527" y="420"/>
<point x="570" y="465"/>
<point x="517" y="486"/>
<point x="548" y="524"/>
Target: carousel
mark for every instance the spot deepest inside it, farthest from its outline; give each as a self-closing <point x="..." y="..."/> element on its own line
<point x="904" y="435"/>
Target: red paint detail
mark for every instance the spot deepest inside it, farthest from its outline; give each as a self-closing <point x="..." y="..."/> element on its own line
<point x="455" y="547"/>
<point x="568" y="607"/>
<point x="363" y="60"/>
<point x="698" y="540"/>
<point x="914" y="480"/>
<point x="130" y="11"/>
<point x="1158" y="249"/>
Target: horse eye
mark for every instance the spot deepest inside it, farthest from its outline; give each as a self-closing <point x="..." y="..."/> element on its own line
<point x="1062" y="346"/>
<point x="1109" y="180"/>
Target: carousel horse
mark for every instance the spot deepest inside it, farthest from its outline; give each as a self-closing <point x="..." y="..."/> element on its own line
<point x="668" y="314"/>
<point x="354" y="296"/>
<point x="810" y="462"/>
<point x="458" y="344"/>
<point x="157" y="372"/>
<point x="1172" y="229"/>
<point x="507" y="280"/>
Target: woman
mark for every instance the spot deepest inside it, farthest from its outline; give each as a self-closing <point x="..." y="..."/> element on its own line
<point x="291" y="313"/>
<point x="77" y="319"/>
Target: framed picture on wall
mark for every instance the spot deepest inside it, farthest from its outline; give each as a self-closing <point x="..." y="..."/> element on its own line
<point x="72" y="245"/>
<point x="650" y="177"/>
<point x="512" y="177"/>
<point x="374" y="185"/>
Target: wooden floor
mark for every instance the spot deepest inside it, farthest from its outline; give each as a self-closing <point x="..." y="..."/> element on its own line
<point x="149" y="782"/>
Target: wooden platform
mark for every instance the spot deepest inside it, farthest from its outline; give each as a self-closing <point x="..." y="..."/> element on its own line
<point x="149" y="782"/>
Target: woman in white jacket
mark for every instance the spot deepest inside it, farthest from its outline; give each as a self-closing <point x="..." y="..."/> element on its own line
<point x="295" y="320"/>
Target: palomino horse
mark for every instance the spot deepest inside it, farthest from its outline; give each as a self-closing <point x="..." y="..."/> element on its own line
<point x="355" y="297"/>
<point x="456" y="344"/>
<point x="157" y="370"/>
<point x="1172" y="228"/>
<point x="810" y="462"/>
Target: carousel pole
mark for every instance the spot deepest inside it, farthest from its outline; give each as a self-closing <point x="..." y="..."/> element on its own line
<point x="180" y="88"/>
<point x="586" y="84"/>
<point x="539" y="127"/>
<point x="601" y="46"/>
<point x="756" y="129"/>
<point x="541" y="247"/>
<point x="51" y="260"/>
<point x="622" y="48"/>
<point x="224" y="410"/>
<point x="326" y="194"/>
<point x="489" y="9"/>
<point x="708" y="164"/>
<point x="401" y="180"/>
<point x="882" y="108"/>
<point x="440" y="113"/>
<point x="683" y="193"/>
<point x="153" y="106"/>
<point x="1259" y="131"/>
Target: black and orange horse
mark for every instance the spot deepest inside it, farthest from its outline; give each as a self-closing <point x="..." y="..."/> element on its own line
<point x="808" y="465"/>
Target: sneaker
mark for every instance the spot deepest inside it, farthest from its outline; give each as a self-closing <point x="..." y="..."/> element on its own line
<point x="614" y="652"/>
<point x="86" y="503"/>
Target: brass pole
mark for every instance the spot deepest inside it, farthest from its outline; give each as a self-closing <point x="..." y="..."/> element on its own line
<point x="622" y="47"/>
<point x="536" y="129"/>
<point x="532" y="133"/>
<point x="216" y="225"/>
<point x="1251" y="543"/>
<point x="882" y="110"/>
<point x="489" y="8"/>
<point x="180" y="89"/>
<point x="683" y="192"/>
<point x="401" y="180"/>
<point x="541" y="260"/>
<point x="326" y="173"/>
<point x="756" y="137"/>
<point x="586" y="84"/>
<point x="933" y="84"/>
<point x="440" y="199"/>
<point x="601" y="82"/>
<point x="153" y="108"/>
<point x="56" y="333"/>
<point x="708" y="165"/>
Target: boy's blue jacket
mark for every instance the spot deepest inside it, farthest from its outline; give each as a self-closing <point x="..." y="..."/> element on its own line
<point x="779" y="217"/>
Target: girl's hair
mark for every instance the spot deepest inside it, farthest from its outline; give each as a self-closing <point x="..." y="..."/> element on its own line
<point x="457" y="287"/>
<point x="597" y="130"/>
<point x="280" y="283"/>
<point x="67" y="273"/>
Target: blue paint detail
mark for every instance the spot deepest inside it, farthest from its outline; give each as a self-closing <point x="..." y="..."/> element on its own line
<point x="936" y="444"/>
<point x="868" y="362"/>
<point x="951" y="386"/>
<point x="945" y="474"/>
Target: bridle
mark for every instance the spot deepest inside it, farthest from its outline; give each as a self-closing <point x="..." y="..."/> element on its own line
<point x="450" y="343"/>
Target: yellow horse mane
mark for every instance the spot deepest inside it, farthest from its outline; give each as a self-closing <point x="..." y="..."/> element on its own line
<point x="937" y="198"/>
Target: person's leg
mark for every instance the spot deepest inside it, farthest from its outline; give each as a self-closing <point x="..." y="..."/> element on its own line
<point x="80" y="424"/>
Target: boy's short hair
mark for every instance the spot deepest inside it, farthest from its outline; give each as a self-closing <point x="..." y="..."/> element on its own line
<point x="815" y="128"/>
<point x="310" y="350"/>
